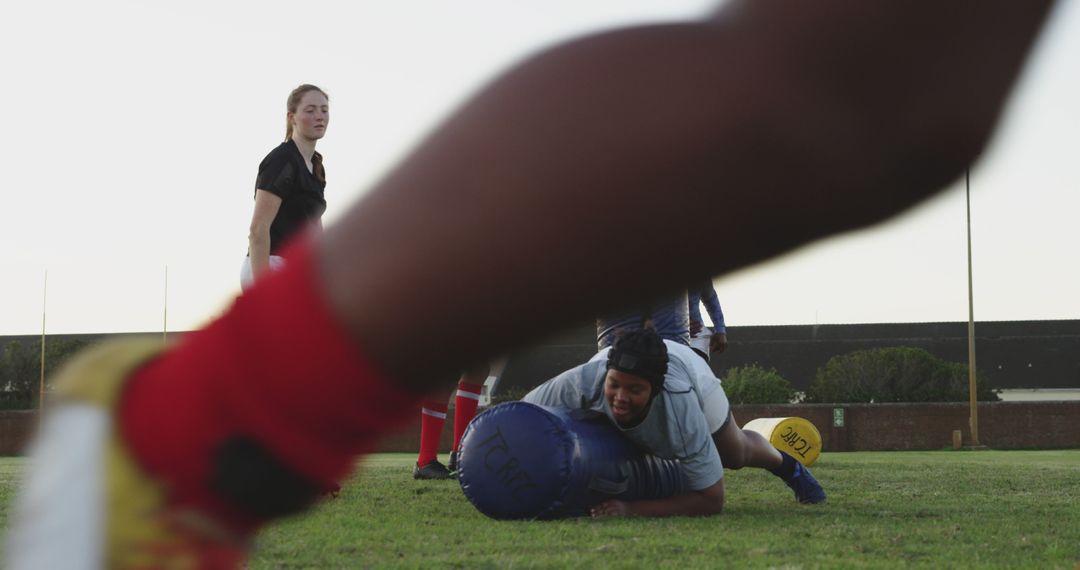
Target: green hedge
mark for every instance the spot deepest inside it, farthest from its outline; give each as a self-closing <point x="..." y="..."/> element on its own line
<point x="511" y="395"/>
<point x="756" y="385"/>
<point x="20" y="370"/>
<point x="894" y="374"/>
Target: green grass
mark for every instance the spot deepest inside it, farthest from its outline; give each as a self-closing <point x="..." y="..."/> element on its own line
<point x="997" y="509"/>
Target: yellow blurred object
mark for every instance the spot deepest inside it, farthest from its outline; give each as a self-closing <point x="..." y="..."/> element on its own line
<point x="796" y="436"/>
<point x="140" y="529"/>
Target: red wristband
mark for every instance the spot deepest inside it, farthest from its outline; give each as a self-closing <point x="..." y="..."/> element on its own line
<point x="278" y="369"/>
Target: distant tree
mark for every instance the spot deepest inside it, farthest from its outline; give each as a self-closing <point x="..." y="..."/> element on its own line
<point x="894" y="374"/>
<point x="754" y="384"/>
<point x="509" y="395"/>
<point x="20" y="369"/>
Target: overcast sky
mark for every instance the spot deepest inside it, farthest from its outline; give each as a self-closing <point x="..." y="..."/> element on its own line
<point x="135" y="130"/>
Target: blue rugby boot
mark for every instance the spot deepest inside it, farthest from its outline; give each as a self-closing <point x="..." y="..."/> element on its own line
<point x="807" y="489"/>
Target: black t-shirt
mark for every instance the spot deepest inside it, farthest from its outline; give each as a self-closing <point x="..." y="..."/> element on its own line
<point x="284" y="173"/>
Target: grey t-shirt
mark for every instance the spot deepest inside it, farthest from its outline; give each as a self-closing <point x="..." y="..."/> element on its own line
<point x="675" y="426"/>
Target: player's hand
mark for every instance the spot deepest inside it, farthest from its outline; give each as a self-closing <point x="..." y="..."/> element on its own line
<point x="695" y="327"/>
<point x="718" y="342"/>
<point x="611" y="508"/>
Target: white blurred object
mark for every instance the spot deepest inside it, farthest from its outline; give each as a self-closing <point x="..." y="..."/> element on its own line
<point x="702" y="340"/>
<point x="59" y="512"/>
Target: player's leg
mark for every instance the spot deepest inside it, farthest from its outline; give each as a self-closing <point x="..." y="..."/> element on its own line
<point x="741" y="448"/>
<point x="824" y="117"/>
<point x="737" y="448"/>
<point x="466" y="400"/>
<point x="744" y="448"/>
<point x="432" y="420"/>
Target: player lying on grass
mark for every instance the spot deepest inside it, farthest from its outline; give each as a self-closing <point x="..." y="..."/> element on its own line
<point x="664" y="397"/>
<point x="798" y="120"/>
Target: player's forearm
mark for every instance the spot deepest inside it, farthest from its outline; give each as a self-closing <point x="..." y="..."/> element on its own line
<point x="259" y="250"/>
<point x="694" y="307"/>
<point x="692" y="504"/>
<point x="815" y="117"/>
<point x="712" y="306"/>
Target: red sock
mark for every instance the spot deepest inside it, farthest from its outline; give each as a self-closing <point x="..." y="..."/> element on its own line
<point x="270" y="403"/>
<point x="432" y="419"/>
<point x="465" y="403"/>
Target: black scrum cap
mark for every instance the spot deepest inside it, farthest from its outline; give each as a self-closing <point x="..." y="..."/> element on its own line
<point x="641" y="353"/>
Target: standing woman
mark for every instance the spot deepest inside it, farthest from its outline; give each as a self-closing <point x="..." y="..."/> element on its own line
<point x="289" y="187"/>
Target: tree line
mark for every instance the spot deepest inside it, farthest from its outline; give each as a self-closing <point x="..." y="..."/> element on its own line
<point x="20" y="369"/>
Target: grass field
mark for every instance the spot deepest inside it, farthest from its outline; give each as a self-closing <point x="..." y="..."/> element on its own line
<point x="1001" y="509"/>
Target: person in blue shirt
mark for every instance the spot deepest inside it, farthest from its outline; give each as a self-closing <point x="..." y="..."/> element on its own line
<point x="705" y="340"/>
<point x="669" y="317"/>
<point x="676" y="318"/>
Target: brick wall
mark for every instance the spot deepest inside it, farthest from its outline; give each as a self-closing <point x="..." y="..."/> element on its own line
<point x="16" y="426"/>
<point x="866" y="427"/>
<point x="879" y="427"/>
<point x="872" y="427"/>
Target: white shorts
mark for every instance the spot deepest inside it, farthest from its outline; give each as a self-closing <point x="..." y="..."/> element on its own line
<point x="717" y="409"/>
<point x="701" y="341"/>
<point x="246" y="276"/>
